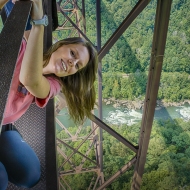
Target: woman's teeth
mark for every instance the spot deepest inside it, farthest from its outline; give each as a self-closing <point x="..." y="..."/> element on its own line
<point x="64" y="66"/>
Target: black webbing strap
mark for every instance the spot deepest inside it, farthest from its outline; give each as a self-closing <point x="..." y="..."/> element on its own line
<point x="54" y="15"/>
<point x="10" y="41"/>
<point x="51" y="165"/>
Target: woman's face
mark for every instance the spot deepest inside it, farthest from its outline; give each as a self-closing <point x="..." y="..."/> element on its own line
<point x="67" y="60"/>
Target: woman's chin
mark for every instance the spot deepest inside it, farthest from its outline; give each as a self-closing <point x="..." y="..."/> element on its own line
<point x="61" y="74"/>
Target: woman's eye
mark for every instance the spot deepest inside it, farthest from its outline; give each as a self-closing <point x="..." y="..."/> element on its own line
<point x="77" y="66"/>
<point x="72" y="53"/>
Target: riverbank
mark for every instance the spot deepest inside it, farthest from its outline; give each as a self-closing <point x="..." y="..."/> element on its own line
<point x="139" y="104"/>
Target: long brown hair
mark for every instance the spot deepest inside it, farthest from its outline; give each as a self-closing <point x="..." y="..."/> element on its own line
<point x="78" y="88"/>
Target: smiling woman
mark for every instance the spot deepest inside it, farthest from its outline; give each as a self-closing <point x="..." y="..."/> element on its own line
<point x="77" y="63"/>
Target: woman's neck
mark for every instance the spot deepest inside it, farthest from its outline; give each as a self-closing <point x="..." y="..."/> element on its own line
<point x="46" y="69"/>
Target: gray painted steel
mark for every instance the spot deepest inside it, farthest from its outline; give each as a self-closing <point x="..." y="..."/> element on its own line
<point x="8" y="57"/>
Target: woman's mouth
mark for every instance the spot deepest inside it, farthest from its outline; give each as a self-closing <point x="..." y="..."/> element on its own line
<point x="64" y="65"/>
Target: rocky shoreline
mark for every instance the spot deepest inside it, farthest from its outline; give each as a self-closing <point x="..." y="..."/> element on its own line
<point x="139" y="104"/>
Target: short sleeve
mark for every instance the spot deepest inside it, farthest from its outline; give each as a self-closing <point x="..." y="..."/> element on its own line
<point x="55" y="88"/>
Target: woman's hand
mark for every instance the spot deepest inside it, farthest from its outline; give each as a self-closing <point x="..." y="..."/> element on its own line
<point x="37" y="9"/>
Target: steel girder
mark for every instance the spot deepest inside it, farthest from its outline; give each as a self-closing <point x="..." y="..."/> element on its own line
<point x="7" y="64"/>
<point x="157" y="55"/>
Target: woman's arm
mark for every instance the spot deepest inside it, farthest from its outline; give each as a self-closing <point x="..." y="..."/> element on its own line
<point x="26" y="34"/>
<point x="31" y="70"/>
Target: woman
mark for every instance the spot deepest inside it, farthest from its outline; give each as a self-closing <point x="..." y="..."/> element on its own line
<point x="70" y="65"/>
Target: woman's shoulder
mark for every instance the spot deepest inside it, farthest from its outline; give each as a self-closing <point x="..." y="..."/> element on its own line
<point x="55" y="83"/>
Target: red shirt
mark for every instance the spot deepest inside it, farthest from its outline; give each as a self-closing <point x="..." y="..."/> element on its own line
<point x="18" y="102"/>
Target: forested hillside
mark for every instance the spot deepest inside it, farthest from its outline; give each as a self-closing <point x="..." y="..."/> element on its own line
<point x="130" y="56"/>
<point x="168" y="159"/>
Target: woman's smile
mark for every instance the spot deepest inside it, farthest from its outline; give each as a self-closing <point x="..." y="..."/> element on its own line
<point x="64" y="65"/>
<point x="60" y="66"/>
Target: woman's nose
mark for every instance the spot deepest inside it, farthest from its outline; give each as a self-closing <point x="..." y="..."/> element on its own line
<point x="73" y="62"/>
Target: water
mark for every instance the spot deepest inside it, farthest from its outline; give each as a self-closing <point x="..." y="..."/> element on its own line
<point x="130" y="117"/>
<point x="118" y="116"/>
<point x="122" y="115"/>
<point x="64" y="118"/>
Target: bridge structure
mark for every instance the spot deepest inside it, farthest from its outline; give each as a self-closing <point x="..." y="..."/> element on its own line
<point x="40" y="133"/>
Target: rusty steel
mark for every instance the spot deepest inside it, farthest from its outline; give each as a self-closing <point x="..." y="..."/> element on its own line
<point x="158" y="48"/>
<point x="78" y="146"/>
<point x="119" y="173"/>
<point x="75" y="150"/>
<point x="115" y="134"/>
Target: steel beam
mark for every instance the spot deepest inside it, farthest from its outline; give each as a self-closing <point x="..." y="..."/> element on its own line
<point x="100" y="147"/>
<point x="54" y="15"/>
<point x="114" y="134"/>
<point x="51" y="151"/>
<point x="72" y="23"/>
<point x="10" y="45"/>
<point x="63" y="127"/>
<point x="66" y="183"/>
<point x="83" y="170"/>
<point x="124" y="25"/>
<point x="78" y="146"/>
<point x="158" y="47"/>
<point x="83" y="15"/>
<point x="64" y="156"/>
<point x="76" y="151"/>
<point x="117" y="174"/>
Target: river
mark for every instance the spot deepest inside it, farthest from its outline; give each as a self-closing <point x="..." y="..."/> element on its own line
<point x="122" y="115"/>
